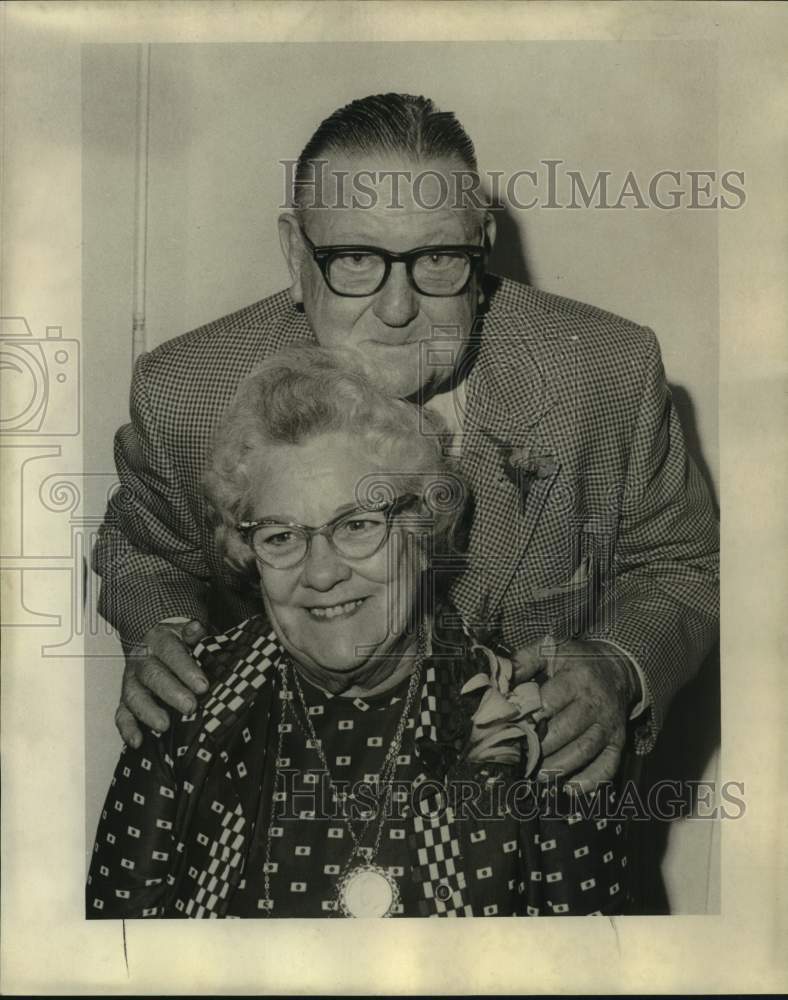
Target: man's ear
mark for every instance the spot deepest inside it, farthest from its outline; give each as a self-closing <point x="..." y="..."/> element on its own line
<point x="293" y="250"/>
<point x="489" y="229"/>
<point x="488" y="224"/>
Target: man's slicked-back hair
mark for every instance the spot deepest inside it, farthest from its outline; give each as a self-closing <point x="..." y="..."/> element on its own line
<point x="401" y="124"/>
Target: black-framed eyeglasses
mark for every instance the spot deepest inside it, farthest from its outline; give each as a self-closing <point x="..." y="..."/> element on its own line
<point x="356" y="271"/>
<point x="356" y="534"/>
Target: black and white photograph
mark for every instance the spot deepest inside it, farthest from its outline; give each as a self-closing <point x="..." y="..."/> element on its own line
<point x="365" y="497"/>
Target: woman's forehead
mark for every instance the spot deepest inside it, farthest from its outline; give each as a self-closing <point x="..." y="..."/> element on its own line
<point x="313" y="480"/>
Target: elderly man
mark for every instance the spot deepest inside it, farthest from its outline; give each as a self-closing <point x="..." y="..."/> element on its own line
<point x="593" y="545"/>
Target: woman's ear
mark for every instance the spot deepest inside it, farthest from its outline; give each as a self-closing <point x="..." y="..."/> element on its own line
<point x="293" y="249"/>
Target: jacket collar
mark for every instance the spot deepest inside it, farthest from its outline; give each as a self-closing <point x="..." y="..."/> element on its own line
<point x="509" y="386"/>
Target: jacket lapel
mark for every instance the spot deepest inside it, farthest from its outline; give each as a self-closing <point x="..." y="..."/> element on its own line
<point x="510" y="468"/>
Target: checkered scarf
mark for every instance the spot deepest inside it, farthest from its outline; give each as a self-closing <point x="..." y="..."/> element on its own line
<point x="243" y="663"/>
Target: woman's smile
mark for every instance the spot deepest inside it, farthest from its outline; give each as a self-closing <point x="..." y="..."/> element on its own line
<point x="331" y="612"/>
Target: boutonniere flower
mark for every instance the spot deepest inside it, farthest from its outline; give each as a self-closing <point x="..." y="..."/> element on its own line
<point x="524" y="464"/>
<point x="503" y="725"/>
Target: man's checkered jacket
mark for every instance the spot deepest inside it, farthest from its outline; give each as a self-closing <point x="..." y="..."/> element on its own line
<point x="590" y="519"/>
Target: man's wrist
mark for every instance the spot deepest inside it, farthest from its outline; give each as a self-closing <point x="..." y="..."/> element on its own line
<point x="635" y="692"/>
<point x="138" y="650"/>
<point x="631" y="683"/>
<point x="175" y="624"/>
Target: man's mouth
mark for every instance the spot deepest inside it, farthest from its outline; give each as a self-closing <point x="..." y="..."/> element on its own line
<point x="336" y="610"/>
<point x="405" y="338"/>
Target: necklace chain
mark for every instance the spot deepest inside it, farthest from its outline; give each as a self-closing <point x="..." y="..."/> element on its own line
<point x="386" y="776"/>
<point x="389" y="765"/>
<point x="387" y="771"/>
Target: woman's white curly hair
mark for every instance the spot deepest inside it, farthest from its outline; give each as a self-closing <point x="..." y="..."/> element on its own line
<point x="305" y="391"/>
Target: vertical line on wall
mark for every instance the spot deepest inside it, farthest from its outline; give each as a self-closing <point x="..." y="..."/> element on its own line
<point x="138" y="332"/>
<point x="714" y="863"/>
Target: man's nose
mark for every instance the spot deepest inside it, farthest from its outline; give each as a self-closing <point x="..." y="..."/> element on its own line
<point x="323" y="567"/>
<point x="397" y="303"/>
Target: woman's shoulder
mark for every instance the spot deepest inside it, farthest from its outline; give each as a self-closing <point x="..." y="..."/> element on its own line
<point x="468" y="649"/>
<point x="480" y="703"/>
<point x="239" y="663"/>
<point x="246" y="643"/>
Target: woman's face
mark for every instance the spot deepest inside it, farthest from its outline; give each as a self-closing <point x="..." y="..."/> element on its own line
<point x="338" y="617"/>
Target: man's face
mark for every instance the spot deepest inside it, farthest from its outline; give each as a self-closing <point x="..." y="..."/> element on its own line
<point x="387" y="328"/>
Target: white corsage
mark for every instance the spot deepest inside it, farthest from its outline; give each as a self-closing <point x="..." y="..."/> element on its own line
<point x="505" y="716"/>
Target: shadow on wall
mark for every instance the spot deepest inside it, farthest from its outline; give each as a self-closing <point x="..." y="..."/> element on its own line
<point x="687" y="743"/>
<point x="508" y="257"/>
<point x="691" y="735"/>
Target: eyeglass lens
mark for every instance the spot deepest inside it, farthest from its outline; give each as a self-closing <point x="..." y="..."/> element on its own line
<point x="356" y="536"/>
<point x="432" y="273"/>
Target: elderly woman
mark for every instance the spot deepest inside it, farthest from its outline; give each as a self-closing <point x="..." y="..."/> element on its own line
<point x="357" y="754"/>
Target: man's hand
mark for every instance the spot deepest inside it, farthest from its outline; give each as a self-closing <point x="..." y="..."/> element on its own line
<point x="162" y="666"/>
<point x="586" y="700"/>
